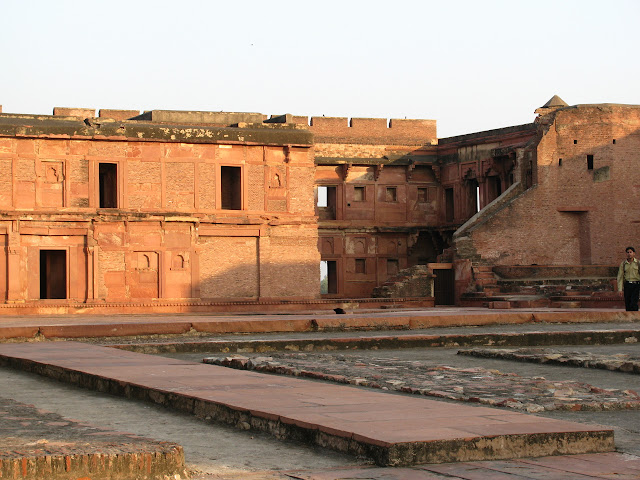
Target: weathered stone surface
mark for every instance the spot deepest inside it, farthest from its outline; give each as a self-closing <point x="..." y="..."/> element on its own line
<point x="620" y="362"/>
<point x="478" y="385"/>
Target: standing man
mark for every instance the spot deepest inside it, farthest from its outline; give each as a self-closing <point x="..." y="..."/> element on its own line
<point x="629" y="278"/>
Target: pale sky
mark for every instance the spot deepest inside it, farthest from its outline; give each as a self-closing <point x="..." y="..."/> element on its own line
<point x="471" y="65"/>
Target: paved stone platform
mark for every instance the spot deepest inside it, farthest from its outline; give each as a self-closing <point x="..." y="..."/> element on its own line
<point x="393" y="430"/>
<point x="574" y="467"/>
<point x="42" y="445"/>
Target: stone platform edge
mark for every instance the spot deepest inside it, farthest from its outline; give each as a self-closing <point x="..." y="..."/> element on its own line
<point x="62" y="307"/>
<point x="521" y="339"/>
<point x="88" y="327"/>
<point x="144" y="465"/>
<point x="494" y="447"/>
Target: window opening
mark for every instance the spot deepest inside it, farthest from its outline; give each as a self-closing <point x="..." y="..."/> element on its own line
<point x="589" y="162"/>
<point x="392" y="194"/>
<point x="108" y="180"/>
<point x="614" y="141"/>
<point x="358" y="194"/>
<point x="328" y="277"/>
<point x="53" y="274"/>
<point x="559" y="162"/>
<point x="231" y="188"/>
<point x="361" y="265"/>
<point x="327" y="202"/>
<point x="575" y="142"/>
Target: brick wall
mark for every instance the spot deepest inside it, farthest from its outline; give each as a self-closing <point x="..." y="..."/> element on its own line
<point x="574" y="215"/>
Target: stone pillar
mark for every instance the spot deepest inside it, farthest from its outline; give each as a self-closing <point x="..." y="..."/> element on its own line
<point x="14" y="272"/>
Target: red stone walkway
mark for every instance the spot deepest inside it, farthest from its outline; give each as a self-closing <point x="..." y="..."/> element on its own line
<point x="391" y="429"/>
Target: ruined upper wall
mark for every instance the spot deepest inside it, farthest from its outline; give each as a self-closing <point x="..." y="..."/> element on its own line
<point x="79" y="123"/>
<point x="584" y="208"/>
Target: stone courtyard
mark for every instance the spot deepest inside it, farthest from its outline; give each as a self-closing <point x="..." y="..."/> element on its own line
<point x="213" y="451"/>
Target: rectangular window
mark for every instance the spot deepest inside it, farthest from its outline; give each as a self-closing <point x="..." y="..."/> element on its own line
<point x="53" y="274"/>
<point x="391" y="194"/>
<point x="231" y="188"/>
<point x="361" y="265"/>
<point x="108" y="181"/>
<point x="358" y="194"/>
<point x="328" y="277"/>
<point x="589" y="162"/>
<point x="423" y="195"/>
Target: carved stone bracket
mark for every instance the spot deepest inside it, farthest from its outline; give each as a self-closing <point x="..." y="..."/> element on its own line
<point x="345" y="170"/>
<point x="378" y="171"/>
<point x="410" y="168"/>
<point x="437" y="172"/>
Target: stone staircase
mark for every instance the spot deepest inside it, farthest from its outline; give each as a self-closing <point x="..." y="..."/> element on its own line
<point x="416" y="281"/>
<point x="543" y="286"/>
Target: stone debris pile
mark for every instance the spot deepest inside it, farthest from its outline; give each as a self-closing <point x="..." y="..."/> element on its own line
<point x="479" y="385"/>
<point x="619" y="362"/>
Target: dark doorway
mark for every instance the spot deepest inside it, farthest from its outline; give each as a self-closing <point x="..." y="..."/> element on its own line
<point x="108" y="179"/>
<point x="448" y="205"/>
<point x="393" y="267"/>
<point x="231" y="188"/>
<point x="53" y="274"/>
<point x="495" y="187"/>
<point x="444" y="286"/>
<point x="328" y="277"/>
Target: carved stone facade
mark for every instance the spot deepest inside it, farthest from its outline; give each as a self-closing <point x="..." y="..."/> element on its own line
<point x="155" y="211"/>
<point x="187" y="209"/>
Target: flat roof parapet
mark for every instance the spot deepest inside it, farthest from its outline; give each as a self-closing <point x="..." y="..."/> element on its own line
<point x="118" y="115"/>
<point x="74" y="112"/>
<point x="199" y="117"/>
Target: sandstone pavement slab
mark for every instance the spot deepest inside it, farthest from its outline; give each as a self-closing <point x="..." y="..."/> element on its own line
<point x="391" y="429"/>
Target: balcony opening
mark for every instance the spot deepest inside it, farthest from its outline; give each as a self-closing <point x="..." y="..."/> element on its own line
<point x="231" y="188"/>
<point x="327" y="202"/>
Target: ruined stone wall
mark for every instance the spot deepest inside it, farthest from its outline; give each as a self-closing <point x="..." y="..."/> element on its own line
<point x="586" y="204"/>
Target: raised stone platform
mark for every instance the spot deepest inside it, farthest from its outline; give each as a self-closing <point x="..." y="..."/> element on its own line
<point x="38" y="445"/>
<point x="72" y="326"/>
<point x="391" y="429"/>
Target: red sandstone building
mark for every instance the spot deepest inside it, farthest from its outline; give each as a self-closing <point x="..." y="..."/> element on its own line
<point x="180" y="211"/>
